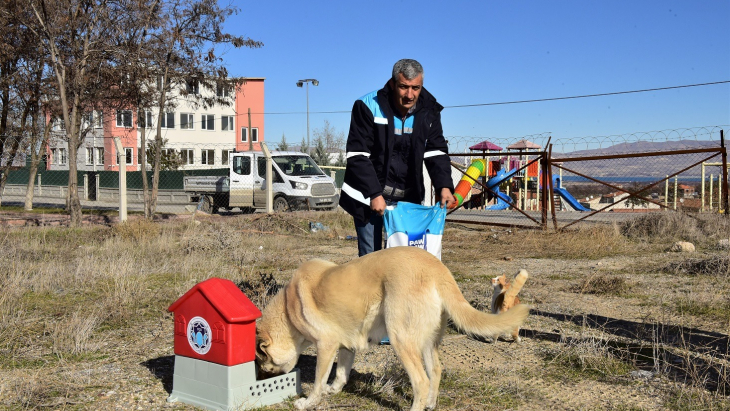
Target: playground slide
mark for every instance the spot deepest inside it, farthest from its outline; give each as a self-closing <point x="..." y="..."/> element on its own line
<point x="568" y="198"/>
<point x="476" y="169"/>
<point x="503" y="201"/>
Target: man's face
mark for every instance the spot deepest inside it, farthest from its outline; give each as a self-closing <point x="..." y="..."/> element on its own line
<point x="407" y="92"/>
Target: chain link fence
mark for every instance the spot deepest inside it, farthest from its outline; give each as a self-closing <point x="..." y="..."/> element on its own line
<point x="537" y="181"/>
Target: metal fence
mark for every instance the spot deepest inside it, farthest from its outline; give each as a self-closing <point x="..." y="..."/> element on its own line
<point x="530" y="181"/>
<point x="540" y="182"/>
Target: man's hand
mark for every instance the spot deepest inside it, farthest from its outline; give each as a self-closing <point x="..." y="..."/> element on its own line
<point x="447" y="199"/>
<point x="377" y="204"/>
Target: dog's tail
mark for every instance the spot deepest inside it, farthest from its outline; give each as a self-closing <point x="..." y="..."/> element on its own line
<point x="472" y="321"/>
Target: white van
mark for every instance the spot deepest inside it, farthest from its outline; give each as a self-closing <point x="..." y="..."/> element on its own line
<point x="298" y="184"/>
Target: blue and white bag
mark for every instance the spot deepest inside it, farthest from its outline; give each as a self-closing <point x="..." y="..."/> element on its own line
<point x="415" y="225"/>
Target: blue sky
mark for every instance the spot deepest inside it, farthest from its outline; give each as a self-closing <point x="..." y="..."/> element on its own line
<point x="476" y="52"/>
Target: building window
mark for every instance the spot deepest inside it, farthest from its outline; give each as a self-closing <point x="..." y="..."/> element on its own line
<point x="207" y="157"/>
<point x="147" y="121"/>
<point x="124" y="118"/>
<point x="89" y="156"/>
<point x="168" y="120"/>
<point x="59" y="124"/>
<point x="98" y="119"/>
<point x="207" y="122"/>
<point x="100" y="155"/>
<point x="86" y="121"/>
<point x="59" y="156"/>
<point x="227" y="123"/>
<point x="225" y="155"/>
<point x="186" y="121"/>
<point x="128" y="155"/>
<point x="254" y="134"/>
<point x="192" y="86"/>
<point x="223" y="90"/>
<point x="186" y="155"/>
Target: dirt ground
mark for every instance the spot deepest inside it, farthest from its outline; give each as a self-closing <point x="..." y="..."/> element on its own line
<point x="625" y="347"/>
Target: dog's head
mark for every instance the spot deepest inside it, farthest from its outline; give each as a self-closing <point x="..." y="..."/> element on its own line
<point x="277" y="345"/>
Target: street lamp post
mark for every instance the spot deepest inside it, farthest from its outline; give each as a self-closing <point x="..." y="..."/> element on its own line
<point x="300" y="83"/>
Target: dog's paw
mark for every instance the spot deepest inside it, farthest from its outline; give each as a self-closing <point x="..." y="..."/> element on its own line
<point x="332" y="389"/>
<point x="301" y="404"/>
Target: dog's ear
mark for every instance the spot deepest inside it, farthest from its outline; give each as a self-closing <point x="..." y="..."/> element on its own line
<point x="262" y="344"/>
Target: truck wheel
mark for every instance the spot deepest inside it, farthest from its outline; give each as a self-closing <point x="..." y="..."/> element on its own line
<point x="207" y="206"/>
<point x="280" y="204"/>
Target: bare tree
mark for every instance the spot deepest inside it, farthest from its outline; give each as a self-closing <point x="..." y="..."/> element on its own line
<point x="24" y="92"/>
<point x="77" y="35"/>
<point x="176" y="56"/>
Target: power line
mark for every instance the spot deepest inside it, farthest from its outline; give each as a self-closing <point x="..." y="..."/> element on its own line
<point x="497" y="103"/>
<point x="536" y="100"/>
<point x="589" y="95"/>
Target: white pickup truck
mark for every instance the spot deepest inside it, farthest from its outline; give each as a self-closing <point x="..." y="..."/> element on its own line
<point x="298" y="184"/>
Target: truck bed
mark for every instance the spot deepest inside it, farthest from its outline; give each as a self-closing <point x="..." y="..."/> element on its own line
<point x="207" y="184"/>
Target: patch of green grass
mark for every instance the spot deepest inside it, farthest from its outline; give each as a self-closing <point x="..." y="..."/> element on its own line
<point x="588" y="359"/>
<point x="560" y="275"/>
<point x="719" y="310"/>
<point x="683" y="398"/>
<point x="468" y="391"/>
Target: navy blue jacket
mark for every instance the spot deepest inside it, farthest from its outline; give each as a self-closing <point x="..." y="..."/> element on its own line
<point x="370" y="147"/>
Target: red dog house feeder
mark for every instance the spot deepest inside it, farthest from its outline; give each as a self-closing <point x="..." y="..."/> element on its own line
<point x="215" y="351"/>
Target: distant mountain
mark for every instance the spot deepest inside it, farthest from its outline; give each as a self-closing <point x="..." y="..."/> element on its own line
<point x="642" y="147"/>
<point x="644" y="166"/>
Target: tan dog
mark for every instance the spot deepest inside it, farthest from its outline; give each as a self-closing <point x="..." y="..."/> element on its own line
<point x="403" y="292"/>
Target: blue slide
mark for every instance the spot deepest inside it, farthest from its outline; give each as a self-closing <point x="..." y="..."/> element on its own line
<point x="503" y="200"/>
<point x="566" y="196"/>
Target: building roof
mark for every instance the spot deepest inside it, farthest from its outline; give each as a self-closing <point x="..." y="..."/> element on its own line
<point x="230" y="302"/>
<point x="523" y="144"/>
<point x="486" y="145"/>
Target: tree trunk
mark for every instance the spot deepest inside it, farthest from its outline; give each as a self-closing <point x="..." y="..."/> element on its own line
<point x="35" y="160"/>
<point x="143" y="160"/>
<point x="158" y="147"/>
<point x="10" y="158"/>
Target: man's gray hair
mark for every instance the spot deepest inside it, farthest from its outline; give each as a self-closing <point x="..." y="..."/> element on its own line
<point x="408" y="67"/>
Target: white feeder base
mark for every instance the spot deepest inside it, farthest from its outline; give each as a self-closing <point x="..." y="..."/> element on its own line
<point x="218" y="387"/>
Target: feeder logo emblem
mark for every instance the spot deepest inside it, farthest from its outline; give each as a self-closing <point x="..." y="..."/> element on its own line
<point x="199" y="335"/>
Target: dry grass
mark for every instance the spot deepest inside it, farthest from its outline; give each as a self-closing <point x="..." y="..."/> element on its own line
<point x="717" y="265"/>
<point x="81" y="310"/>
<point x="614" y="285"/>
<point x="700" y="229"/>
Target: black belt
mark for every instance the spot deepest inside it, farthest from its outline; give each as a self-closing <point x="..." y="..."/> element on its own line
<point x="395" y="193"/>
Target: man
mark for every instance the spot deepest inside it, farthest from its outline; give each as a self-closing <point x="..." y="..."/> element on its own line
<point x="393" y="132"/>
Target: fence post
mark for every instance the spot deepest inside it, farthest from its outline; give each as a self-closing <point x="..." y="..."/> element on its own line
<point x="40" y="186"/>
<point x="676" y="182"/>
<point x="702" y="196"/>
<point x="724" y="172"/>
<point x="122" y="180"/>
<point x="269" y="178"/>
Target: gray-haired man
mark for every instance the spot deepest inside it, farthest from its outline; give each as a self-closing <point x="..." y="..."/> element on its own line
<point x="393" y="132"/>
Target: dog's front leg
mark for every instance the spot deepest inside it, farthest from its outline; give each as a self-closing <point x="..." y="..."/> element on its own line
<point x="325" y="358"/>
<point x="344" y="365"/>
